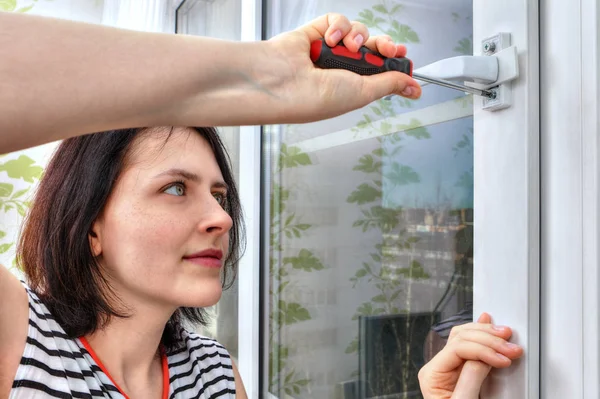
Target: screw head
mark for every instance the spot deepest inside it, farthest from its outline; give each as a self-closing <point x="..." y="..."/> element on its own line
<point x="489" y="47"/>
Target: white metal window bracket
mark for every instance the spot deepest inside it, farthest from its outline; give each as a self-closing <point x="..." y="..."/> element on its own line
<point x="487" y="75"/>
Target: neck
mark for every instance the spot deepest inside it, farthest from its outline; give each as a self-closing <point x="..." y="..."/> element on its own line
<point x="129" y="348"/>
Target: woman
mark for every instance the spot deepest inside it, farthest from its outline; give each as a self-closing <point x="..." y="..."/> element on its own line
<point x="134" y="229"/>
<point x="128" y="236"/>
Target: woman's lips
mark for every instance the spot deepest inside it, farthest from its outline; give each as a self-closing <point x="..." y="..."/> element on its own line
<point x="207" y="258"/>
<point x="206" y="261"/>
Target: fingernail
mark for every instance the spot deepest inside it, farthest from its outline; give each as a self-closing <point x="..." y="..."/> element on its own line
<point x="499" y="328"/>
<point x="408" y="91"/>
<point x="336" y="36"/>
<point x="510" y="345"/>
<point x="359" y="39"/>
<point x="501" y="356"/>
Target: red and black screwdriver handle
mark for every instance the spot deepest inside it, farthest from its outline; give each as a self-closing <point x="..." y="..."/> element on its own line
<point x="363" y="62"/>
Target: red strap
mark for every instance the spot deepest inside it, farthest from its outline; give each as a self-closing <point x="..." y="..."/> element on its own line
<point x="165" y="369"/>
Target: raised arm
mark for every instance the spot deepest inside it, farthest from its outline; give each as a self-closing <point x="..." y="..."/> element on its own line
<point x="13" y="327"/>
<point x="62" y="78"/>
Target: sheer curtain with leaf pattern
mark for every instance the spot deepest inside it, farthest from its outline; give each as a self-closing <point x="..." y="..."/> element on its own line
<point x="370" y="233"/>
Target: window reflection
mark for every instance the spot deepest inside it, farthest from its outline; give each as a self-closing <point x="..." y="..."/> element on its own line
<point x="371" y="221"/>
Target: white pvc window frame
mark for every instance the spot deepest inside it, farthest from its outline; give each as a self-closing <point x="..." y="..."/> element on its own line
<point x="570" y="192"/>
<point x="507" y="199"/>
<point x="250" y="198"/>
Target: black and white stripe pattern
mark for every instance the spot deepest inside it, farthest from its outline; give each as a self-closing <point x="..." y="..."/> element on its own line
<point x="56" y="366"/>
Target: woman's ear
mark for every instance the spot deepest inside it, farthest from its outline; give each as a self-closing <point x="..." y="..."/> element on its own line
<point x="95" y="240"/>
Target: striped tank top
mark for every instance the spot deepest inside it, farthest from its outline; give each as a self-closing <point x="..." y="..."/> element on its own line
<point x="56" y="366"/>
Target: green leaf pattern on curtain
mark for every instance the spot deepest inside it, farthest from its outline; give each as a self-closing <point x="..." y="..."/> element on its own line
<point x="18" y="172"/>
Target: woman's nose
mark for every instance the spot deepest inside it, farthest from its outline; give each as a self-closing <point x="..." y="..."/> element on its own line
<point x="215" y="219"/>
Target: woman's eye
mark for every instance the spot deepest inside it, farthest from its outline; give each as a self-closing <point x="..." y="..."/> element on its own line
<point x="221" y="198"/>
<point x="176" y="189"/>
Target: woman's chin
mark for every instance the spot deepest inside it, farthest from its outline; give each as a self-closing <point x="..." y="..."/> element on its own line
<point x="202" y="296"/>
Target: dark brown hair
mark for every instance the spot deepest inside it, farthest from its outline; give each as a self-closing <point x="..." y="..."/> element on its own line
<point x="54" y="248"/>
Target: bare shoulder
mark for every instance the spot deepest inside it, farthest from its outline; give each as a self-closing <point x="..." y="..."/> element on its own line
<point x="13" y="327"/>
<point x="240" y="391"/>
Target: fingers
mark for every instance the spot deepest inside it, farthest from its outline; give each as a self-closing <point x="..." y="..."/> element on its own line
<point x="354" y="35"/>
<point x="333" y="28"/>
<point x="477" y="341"/>
<point x="500" y="331"/>
<point x="384" y="45"/>
<point x="479" y="345"/>
<point x="471" y="378"/>
<point x="386" y="83"/>
<point x="484" y="318"/>
<point x="336" y="28"/>
<point x="391" y="82"/>
<point x="474" y="372"/>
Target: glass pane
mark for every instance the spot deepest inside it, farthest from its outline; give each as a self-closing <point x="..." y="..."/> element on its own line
<point x="371" y="231"/>
<point x="214" y="18"/>
<point x="219" y="19"/>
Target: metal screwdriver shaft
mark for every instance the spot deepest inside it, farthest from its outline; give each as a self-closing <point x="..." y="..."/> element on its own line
<point x="451" y="85"/>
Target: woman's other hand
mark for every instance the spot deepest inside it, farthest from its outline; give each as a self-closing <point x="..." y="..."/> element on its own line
<point x="458" y="370"/>
<point x="308" y="93"/>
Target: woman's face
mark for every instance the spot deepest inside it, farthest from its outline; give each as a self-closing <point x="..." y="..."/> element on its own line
<point x="163" y="234"/>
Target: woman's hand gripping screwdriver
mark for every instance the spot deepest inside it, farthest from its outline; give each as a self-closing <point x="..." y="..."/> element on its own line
<point x="367" y="62"/>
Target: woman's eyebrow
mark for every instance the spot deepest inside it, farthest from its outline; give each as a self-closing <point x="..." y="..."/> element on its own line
<point x="187" y="175"/>
<point x="221" y="185"/>
<point x="175" y="172"/>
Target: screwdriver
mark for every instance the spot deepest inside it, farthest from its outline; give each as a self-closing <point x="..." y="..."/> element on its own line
<point x="367" y="62"/>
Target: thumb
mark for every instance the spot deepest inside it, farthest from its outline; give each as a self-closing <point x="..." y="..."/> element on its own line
<point x="471" y="378"/>
<point x="386" y="83"/>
